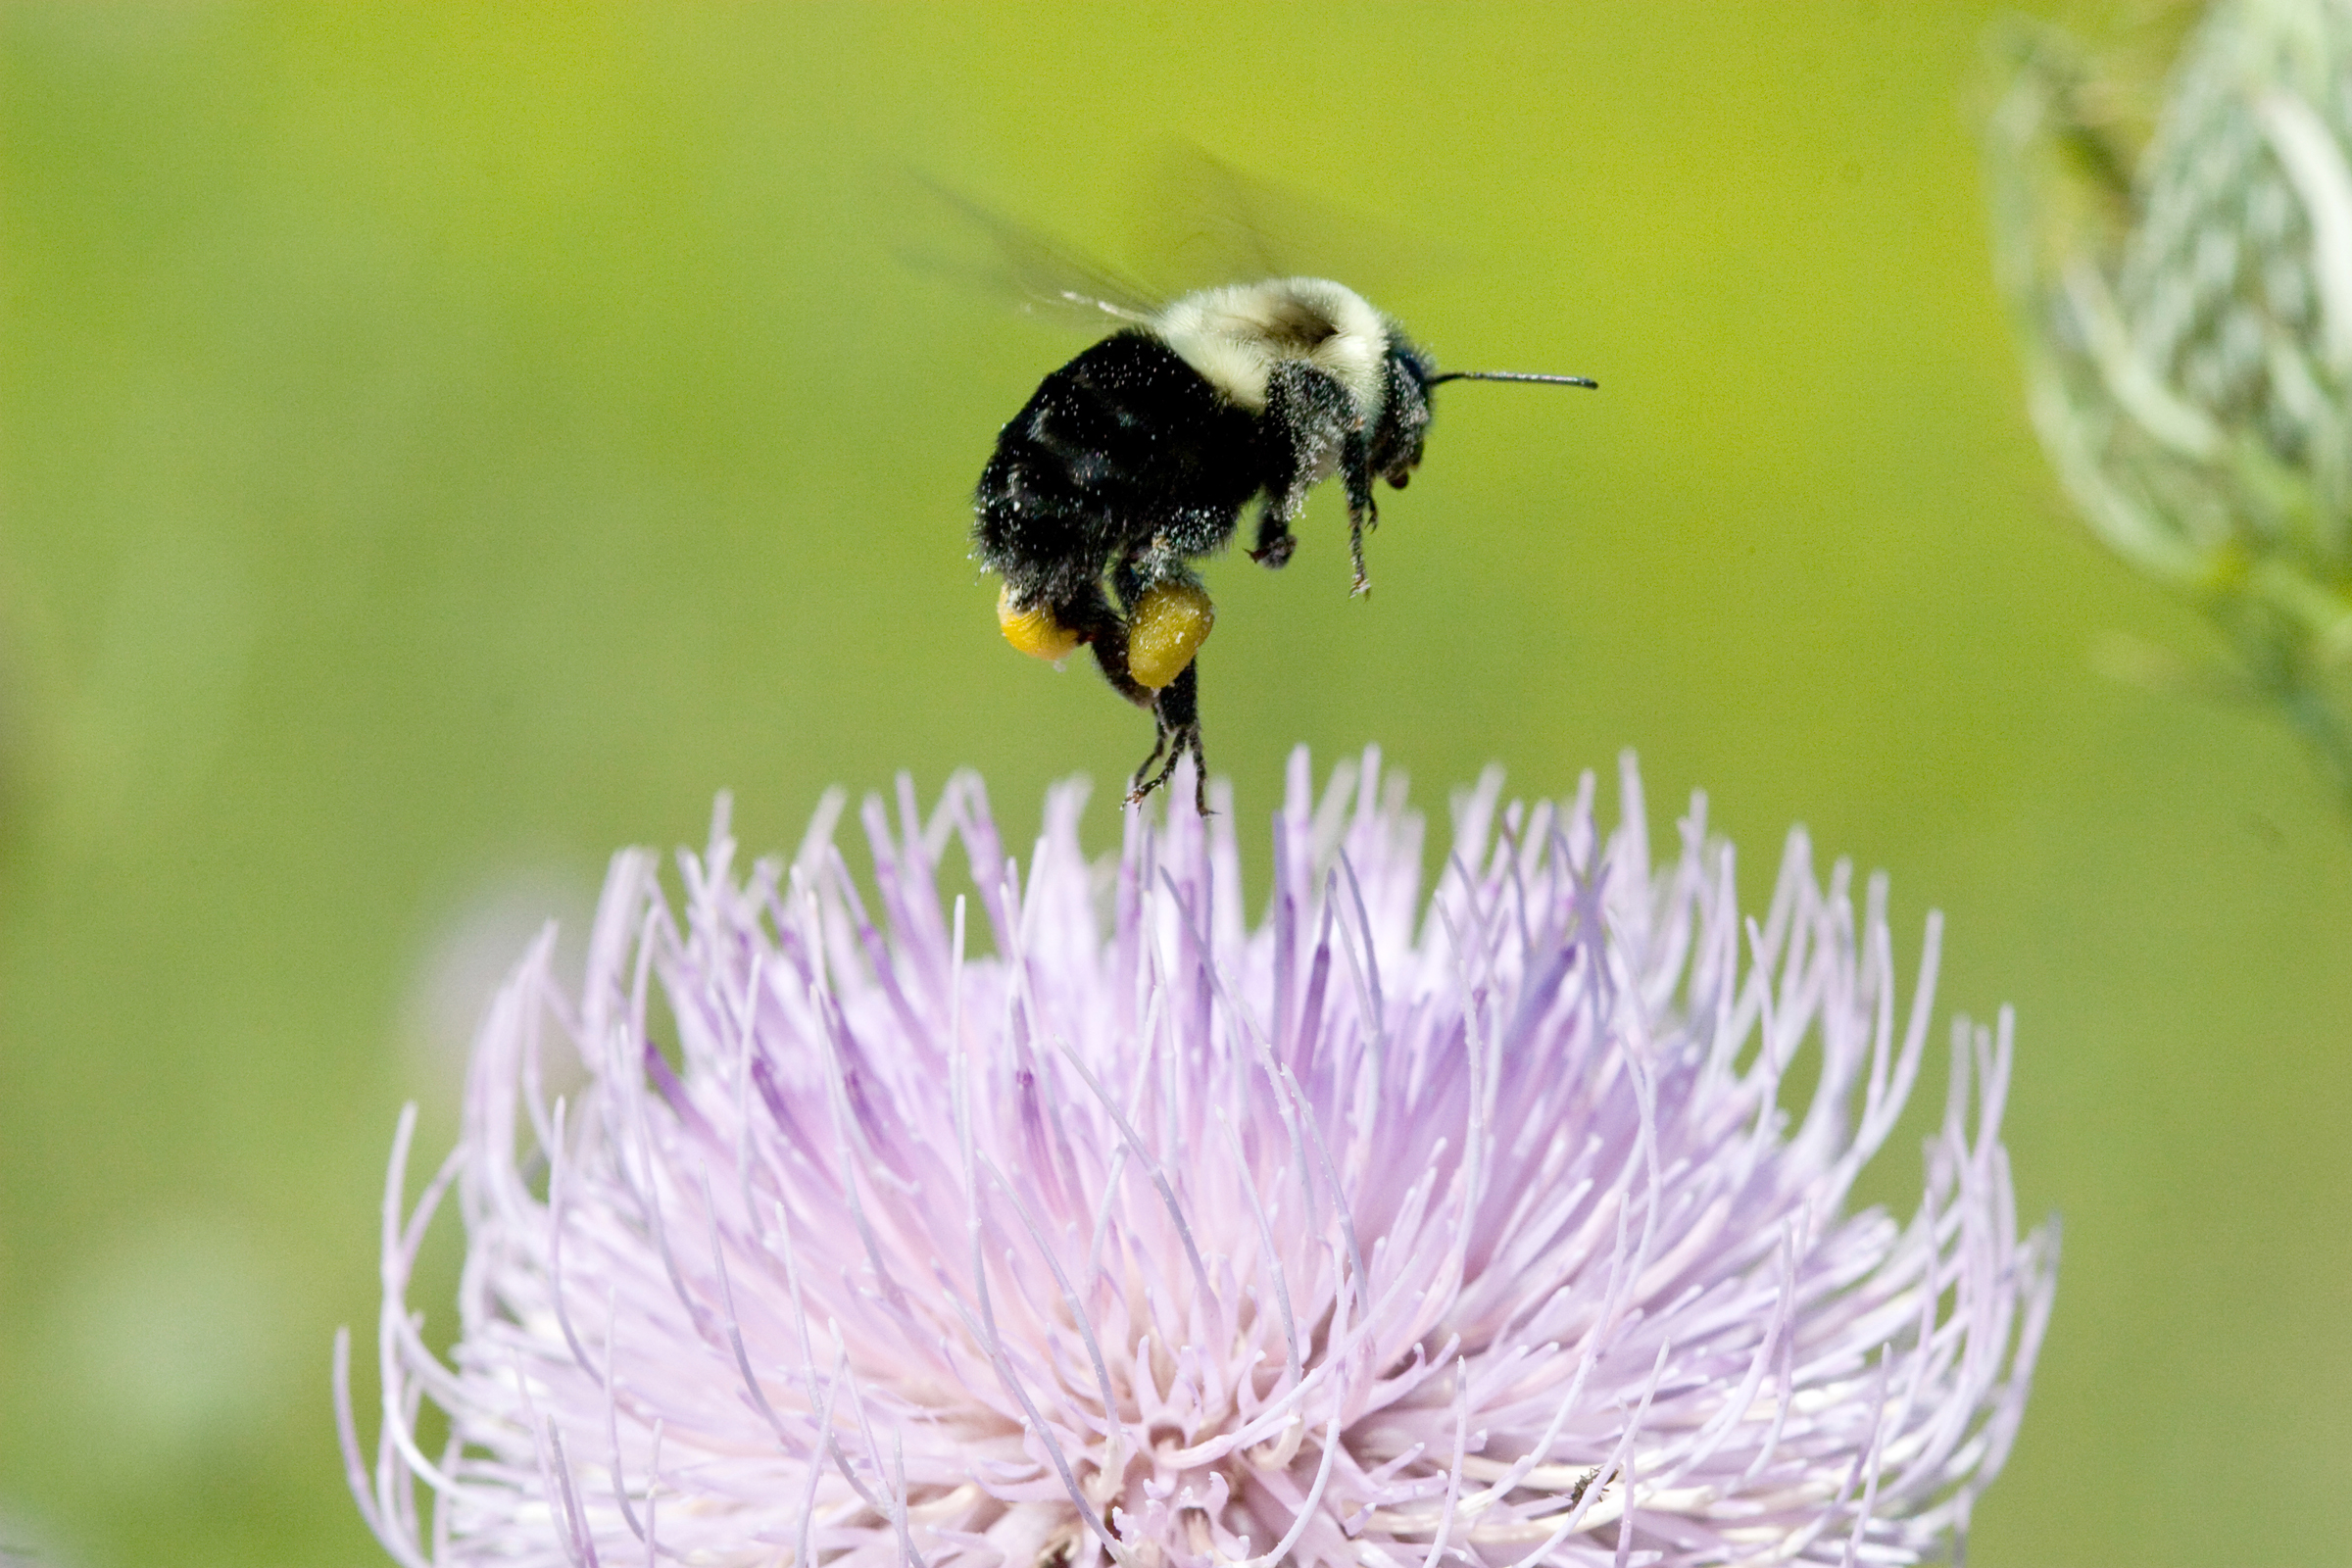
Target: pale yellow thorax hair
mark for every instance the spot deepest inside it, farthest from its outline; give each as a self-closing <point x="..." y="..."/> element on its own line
<point x="1236" y="335"/>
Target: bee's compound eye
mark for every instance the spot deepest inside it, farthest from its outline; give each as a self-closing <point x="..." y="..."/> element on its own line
<point x="1167" y="628"/>
<point x="1033" y="631"/>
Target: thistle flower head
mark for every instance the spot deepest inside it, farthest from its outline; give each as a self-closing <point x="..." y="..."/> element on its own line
<point x="2186" y="313"/>
<point x="1387" y="1229"/>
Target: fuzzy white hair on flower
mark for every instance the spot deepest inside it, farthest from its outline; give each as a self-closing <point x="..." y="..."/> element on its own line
<point x="1386" y="1232"/>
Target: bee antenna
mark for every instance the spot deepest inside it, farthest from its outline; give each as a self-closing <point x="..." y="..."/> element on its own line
<point x="1514" y="375"/>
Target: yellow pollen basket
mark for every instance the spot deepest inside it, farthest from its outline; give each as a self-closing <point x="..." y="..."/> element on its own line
<point x="1034" y="632"/>
<point x="1166" y="630"/>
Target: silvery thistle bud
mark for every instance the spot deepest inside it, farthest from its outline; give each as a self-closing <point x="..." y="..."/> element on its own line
<point x="2187" y="331"/>
<point x="1387" y="1232"/>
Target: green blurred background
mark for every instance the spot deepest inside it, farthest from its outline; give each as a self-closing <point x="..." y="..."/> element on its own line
<point x="440" y="444"/>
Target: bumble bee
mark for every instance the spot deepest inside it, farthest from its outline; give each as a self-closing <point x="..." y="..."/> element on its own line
<point x="1138" y="457"/>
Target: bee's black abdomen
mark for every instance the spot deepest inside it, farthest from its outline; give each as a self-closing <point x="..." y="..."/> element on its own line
<point x="1124" y="443"/>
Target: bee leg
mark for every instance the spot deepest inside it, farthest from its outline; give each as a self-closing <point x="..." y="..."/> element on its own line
<point x="1307" y="417"/>
<point x="1175" y="709"/>
<point x="1286" y="495"/>
<point x="1363" y="513"/>
<point x="1274" y="538"/>
<point x="1089" y="615"/>
<point x="1137" y="789"/>
<point x="1157" y="569"/>
<point x="1178" y="718"/>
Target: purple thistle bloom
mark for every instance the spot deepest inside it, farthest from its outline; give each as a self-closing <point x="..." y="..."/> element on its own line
<point x="1385" y="1233"/>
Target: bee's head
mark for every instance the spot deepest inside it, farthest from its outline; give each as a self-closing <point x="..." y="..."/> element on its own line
<point x="1404" y="424"/>
<point x="1403" y="427"/>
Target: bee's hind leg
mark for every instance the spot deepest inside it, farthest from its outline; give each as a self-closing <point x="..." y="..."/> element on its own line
<point x="1177" y="715"/>
<point x="1090" y="616"/>
<point x="1175" y="708"/>
<point x="1138" y="789"/>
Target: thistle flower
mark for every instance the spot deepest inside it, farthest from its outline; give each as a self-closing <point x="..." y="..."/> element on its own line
<point x="2187" y="329"/>
<point x="1386" y="1232"/>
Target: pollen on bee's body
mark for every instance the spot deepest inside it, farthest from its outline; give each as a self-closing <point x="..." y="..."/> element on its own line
<point x="1034" y="632"/>
<point x="1167" y="628"/>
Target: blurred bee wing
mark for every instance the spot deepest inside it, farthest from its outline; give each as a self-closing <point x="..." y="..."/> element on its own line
<point x="1040" y="274"/>
<point x="1211" y="223"/>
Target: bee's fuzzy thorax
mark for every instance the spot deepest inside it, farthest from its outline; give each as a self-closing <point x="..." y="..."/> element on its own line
<point x="1235" y="337"/>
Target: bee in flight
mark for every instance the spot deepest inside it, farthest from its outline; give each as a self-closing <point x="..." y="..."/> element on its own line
<point x="1138" y="457"/>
